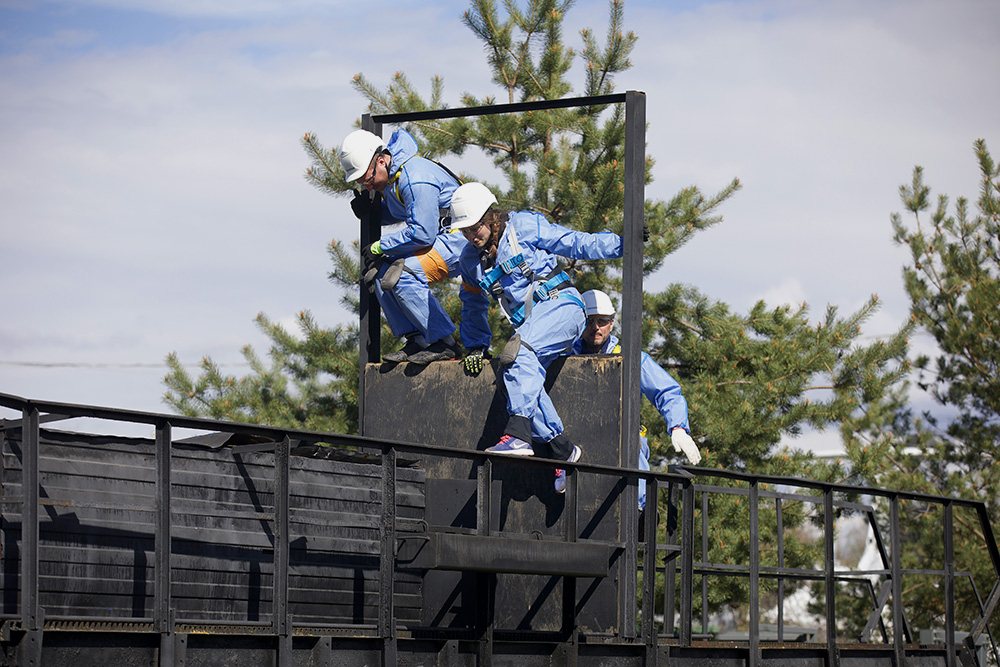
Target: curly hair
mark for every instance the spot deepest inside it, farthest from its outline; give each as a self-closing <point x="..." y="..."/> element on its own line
<point x="497" y="221"/>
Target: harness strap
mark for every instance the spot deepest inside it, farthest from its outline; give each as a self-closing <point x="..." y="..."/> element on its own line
<point x="543" y="291"/>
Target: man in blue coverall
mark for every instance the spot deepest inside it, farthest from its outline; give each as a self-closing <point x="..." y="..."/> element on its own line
<point x="655" y="383"/>
<point x="402" y="264"/>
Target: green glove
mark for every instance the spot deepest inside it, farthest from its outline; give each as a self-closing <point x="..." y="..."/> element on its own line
<point x="474" y="362"/>
<point x="376" y="247"/>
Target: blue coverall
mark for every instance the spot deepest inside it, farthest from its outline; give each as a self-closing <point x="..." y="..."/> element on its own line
<point x="419" y="190"/>
<point x="660" y="388"/>
<point x="547" y="332"/>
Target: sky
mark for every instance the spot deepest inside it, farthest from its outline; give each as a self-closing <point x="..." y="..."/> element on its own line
<point x="152" y="190"/>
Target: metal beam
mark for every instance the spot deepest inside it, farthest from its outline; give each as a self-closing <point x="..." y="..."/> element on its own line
<point x="899" y="652"/>
<point x="163" y="617"/>
<point x="754" y="659"/>
<point x="484" y="553"/>
<point x="387" y="565"/>
<point x="833" y="654"/>
<point x="949" y="585"/>
<point x="281" y="618"/>
<point x="494" y="109"/>
<point x="634" y="211"/>
<point x="370" y="329"/>
<point x="29" y="520"/>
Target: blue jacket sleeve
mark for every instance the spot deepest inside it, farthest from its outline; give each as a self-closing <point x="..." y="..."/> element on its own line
<point x="566" y="242"/>
<point x="664" y="393"/>
<point x="420" y="201"/>
<point x="475" y="326"/>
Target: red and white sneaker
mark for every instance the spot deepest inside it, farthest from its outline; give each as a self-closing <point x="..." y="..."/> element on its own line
<point x="511" y="446"/>
<point x="561" y="474"/>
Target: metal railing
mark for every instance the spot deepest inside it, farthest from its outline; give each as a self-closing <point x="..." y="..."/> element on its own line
<point x="687" y="530"/>
<point x="684" y="499"/>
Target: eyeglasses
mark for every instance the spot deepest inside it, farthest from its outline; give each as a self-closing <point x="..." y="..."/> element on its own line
<point x="374" y="167"/>
<point x="602" y="321"/>
<point x="474" y="229"/>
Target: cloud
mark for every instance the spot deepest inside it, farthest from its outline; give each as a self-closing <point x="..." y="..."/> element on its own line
<point x="151" y="189"/>
<point x="202" y="9"/>
<point x="789" y="293"/>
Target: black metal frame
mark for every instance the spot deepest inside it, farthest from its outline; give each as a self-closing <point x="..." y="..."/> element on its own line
<point x="634" y="184"/>
<point x="30" y="620"/>
<point x="634" y="214"/>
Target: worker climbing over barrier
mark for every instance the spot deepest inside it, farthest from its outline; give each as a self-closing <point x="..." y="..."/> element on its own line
<point x="512" y="257"/>
<point x="401" y="265"/>
<point x="656" y="384"/>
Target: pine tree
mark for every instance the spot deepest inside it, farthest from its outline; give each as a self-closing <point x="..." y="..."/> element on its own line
<point x="953" y="282"/>
<point x="749" y="379"/>
<point x="311" y="382"/>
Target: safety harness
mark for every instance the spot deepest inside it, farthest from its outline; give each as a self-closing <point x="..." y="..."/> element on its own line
<point x="444" y="215"/>
<point x="395" y="270"/>
<point x="540" y="288"/>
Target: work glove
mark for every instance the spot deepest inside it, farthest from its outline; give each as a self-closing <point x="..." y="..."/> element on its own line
<point x="474" y="361"/>
<point x="371" y="260"/>
<point x="361" y="204"/>
<point x="645" y="232"/>
<point x="684" y="443"/>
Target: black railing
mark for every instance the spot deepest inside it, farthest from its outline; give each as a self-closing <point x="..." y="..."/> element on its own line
<point x="887" y="599"/>
<point x="684" y="521"/>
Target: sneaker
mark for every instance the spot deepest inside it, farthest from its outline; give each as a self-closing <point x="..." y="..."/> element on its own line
<point x="513" y="446"/>
<point x="411" y="348"/>
<point x="439" y="351"/>
<point x="561" y="474"/>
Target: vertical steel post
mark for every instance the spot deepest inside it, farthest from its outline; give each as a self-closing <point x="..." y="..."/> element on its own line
<point x="649" y="573"/>
<point x="896" y="570"/>
<point x="687" y="562"/>
<point x="163" y="613"/>
<point x="31" y="614"/>
<point x="949" y="583"/>
<point x="571" y="632"/>
<point x="781" y="564"/>
<point x="370" y="326"/>
<point x="833" y="656"/>
<point x="485" y="581"/>
<point x="704" y="558"/>
<point x="634" y="204"/>
<point x="484" y="497"/>
<point x="281" y="621"/>
<point x="982" y="623"/>
<point x="387" y="563"/>
<point x="670" y="565"/>
<point x="754" y="656"/>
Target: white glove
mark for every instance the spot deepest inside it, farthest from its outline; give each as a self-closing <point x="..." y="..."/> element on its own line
<point x="684" y="443"/>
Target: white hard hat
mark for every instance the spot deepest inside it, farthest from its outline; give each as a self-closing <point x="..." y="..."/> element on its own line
<point x="597" y="303"/>
<point x="357" y="151"/>
<point x="468" y="204"/>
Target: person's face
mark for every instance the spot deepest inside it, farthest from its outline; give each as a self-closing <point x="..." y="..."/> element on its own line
<point x="478" y="234"/>
<point x="377" y="176"/>
<point x="597" y="331"/>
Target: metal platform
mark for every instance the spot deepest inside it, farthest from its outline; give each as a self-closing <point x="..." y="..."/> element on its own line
<point x="249" y="545"/>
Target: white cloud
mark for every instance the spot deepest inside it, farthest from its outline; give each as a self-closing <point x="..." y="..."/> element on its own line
<point x="236" y="9"/>
<point x="789" y="293"/>
<point x="152" y="199"/>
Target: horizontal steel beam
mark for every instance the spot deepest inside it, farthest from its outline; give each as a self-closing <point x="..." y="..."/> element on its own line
<point x="493" y="109"/>
<point x="482" y="553"/>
